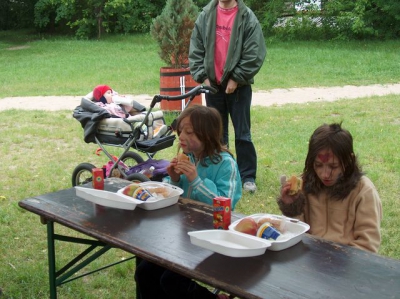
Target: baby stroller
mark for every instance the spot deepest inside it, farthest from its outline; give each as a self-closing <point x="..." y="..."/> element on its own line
<point x="145" y="133"/>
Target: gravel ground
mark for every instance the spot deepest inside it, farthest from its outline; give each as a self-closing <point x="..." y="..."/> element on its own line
<point x="267" y="98"/>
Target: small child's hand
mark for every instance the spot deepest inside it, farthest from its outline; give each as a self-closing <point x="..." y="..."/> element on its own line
<point x="187" y="168"/>
<point x="172" y="171"/>
<point x="285" y="188"/>
<point x="176" y="168"/>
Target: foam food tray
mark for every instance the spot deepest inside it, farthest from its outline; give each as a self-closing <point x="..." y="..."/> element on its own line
<point x="229" y="243"/>
<point x="159" y="201"/>
<point x="294" y="233"/>
<point x="106" y="198"/>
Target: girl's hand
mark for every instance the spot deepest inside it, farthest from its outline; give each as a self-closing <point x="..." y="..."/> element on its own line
<point x="187" y="168"/>
<point x="172" y="172"/>
<point x="286" y="198"/>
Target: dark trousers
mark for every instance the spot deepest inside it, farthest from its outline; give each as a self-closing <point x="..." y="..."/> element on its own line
<point x="237" y="106"/>
<point x="156" y="282"/>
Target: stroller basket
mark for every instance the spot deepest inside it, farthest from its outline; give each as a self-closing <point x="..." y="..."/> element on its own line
<point x="156" y="144"/>
<point x="146" y="146"/>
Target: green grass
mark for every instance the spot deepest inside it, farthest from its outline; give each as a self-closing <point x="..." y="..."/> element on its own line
<point x="42" y="153"/>
<point x="40" y="149"/>
<point x="130" y="64"/>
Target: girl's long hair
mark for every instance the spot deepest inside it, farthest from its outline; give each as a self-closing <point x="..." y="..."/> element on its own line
<point x="207" y="125"/>
<point x="340" y="142"/>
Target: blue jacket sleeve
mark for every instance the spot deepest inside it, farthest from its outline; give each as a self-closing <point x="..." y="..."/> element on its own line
<point x="222" y="179"/>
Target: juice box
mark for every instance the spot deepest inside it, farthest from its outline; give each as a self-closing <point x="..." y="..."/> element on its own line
<point x="98" y="178"/>
<point x="221" y="212"/>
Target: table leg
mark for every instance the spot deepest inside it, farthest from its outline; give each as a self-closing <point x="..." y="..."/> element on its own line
<point x="138" y="295"/>
<point x="77" y="263"/>
<point x="52" y="259"/>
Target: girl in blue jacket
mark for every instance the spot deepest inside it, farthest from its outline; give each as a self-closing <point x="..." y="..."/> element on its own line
<point x="211" y="171"/>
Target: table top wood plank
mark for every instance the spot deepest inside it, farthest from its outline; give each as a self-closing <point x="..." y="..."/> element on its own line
<point x="313" y="268"/>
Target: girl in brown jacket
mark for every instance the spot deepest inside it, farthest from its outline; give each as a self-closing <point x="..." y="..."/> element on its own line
<point x="337" y="200"/>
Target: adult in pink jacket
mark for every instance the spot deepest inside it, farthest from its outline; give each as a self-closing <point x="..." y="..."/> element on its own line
<point x="337" y="200"/>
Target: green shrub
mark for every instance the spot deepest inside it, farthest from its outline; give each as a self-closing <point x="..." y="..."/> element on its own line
<point x="336" y="19"/>
<point x="91" y="18"/>
<point x="172" y="30"/>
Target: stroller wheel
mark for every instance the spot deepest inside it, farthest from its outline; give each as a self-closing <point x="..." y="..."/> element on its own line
<point x="137" y="177"/>
<point x="131" y="159"/>
<point x="82" y="174"/>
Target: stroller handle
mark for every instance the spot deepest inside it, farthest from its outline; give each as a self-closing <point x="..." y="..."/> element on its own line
<point x="193" y="92"/>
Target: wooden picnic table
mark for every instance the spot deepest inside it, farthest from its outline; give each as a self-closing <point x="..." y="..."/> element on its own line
<point x="313" y="268"/>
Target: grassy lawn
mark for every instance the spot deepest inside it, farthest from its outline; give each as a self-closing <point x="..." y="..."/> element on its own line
<point x="130" y="64"/>
<point x="40" y="149"/>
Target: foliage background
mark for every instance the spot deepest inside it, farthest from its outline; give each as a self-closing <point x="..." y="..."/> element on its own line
<point x="332" y="19"/>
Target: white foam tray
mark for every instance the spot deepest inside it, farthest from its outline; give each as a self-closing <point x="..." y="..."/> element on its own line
<point x="293" y="235"/>
<point x="155" y="203"/>
<point x="106" y="198"/>
<point x="121" y="201"/>
<point x="229" y="243"/>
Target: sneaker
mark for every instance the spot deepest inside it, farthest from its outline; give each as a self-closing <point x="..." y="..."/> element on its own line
<point x="249" y="187"/>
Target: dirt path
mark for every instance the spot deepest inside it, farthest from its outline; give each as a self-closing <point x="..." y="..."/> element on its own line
<point x="267" y="98"/>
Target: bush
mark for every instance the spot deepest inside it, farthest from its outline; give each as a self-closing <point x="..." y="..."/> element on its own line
<point x="335" y="19"/>
<point x="16" y="14"/>
<point x="91" y="18"/>
<point x="172" y="30"/>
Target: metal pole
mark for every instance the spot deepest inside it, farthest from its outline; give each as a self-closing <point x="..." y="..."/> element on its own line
<point x="182" y="81"/>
